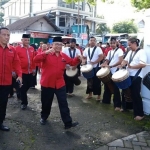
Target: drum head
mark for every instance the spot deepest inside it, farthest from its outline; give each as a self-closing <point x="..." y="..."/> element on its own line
<point x="71" y="73"/>
<point x="103" y="72"/>
<point x="120" y="75"/>
<point x="86" y="68"/>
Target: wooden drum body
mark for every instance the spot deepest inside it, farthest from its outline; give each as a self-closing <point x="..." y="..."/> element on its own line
<point x="105" y="75"/>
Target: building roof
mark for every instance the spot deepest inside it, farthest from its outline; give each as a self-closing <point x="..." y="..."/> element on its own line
<point x="23" y="24"/>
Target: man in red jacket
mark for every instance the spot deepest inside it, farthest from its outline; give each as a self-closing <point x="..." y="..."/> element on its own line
<point x="52" y="81"/>
<point x="9" y="61"/>
<point x="26" y="55"/>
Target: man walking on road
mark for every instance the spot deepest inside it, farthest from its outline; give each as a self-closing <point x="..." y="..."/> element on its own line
<point x="9" y="61"/>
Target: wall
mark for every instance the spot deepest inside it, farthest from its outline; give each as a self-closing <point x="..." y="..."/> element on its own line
<point x="45" y="26"/>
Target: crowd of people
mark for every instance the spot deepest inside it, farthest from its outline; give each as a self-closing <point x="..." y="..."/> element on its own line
<point x="20" y="64"/>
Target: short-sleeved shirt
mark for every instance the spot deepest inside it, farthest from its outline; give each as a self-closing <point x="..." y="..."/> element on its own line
<point x="97" y="52"/>
<point x="115" y="58"/>
<point x="66" y="51"/>
<point x="139" y="56"/>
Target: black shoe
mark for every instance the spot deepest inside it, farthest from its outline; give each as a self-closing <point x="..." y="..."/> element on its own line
<point x="43" y="121"/>
<point x="72" y="125"/>
<point x="23" y="106"/>
<point x="4" y="128"/>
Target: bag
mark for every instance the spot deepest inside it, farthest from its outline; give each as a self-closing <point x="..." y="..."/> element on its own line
<point x="146" y="80"/>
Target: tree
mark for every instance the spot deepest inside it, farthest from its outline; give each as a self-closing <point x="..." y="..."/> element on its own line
<point x="141" y="4"/>
<point x="124" y="27"/>
<point x="102" y="29"/>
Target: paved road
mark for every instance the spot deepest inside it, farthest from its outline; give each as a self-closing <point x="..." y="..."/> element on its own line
<point x="99" y="125"/>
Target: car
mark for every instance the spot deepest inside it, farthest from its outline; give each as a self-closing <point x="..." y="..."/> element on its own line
<point x="124" y="42"/>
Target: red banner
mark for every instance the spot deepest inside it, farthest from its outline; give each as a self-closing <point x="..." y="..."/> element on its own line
<point x="39" y="35"/>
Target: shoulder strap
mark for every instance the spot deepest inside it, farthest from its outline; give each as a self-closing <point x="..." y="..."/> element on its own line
<point x="110" y="58"/>
<point x="74" y="51"/>
<point x="91" y="56"/>
<point x="131" y="57"/>
<point x="126" y="53"/>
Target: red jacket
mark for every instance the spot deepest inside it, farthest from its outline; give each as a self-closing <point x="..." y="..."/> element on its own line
<point x="9" y="61"/>
<point x="122" y="47"/>
<point x="107" y="49"/>
<point x="26" y="56"/>
<point x="53" y="68"/>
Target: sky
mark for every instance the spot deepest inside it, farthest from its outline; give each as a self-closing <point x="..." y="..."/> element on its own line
<point x="119" y="11"/>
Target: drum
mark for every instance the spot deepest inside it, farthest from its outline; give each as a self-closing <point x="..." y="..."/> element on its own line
<point x="122" y="79"/>
<point x="104" y="75"/>
<point x="87" y="71"/>
<point x="73" y="76"/>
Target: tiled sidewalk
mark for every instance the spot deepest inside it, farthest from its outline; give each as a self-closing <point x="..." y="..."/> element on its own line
<point x="140" y="141"/>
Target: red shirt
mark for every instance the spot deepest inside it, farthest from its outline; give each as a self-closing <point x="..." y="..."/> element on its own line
<point x="26" y="56"/>
<point x="9" y="62"/>
<point x="107" y="49"/>
<point x="53" y="68"/>
<point x="122" y="47"/>
<point x="103" y="49"/>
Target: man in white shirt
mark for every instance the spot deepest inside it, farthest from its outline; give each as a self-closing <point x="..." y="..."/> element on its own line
<point x="113" y="59"/>
<point x="93" y="84"/>
<point x="135" y="61"/>
<point x="71" y="52"/>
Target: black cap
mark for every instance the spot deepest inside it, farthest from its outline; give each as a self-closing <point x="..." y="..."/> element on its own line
<point x="26" y="36"/>
<point x="57" y="39"/>
<point x="73" y="40"/>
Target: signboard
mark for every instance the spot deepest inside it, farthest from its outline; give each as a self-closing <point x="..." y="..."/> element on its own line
<point x="84" y="36"/>
<point x="39" y="35"/>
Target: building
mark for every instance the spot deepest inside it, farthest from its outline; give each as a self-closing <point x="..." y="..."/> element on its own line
<point x="39" y="27"/>
<point x="61" y="14"/>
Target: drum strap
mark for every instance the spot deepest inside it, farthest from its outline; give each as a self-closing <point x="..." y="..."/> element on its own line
<point x="110" y="58"/>
<point x="91" y="56"/>
<point x="74" y="52"/>
<point x="130" y="60"/>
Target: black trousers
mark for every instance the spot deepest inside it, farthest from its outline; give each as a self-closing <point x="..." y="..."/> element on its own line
<point x="27" y="81"/>
<point x="13" y="85"/>
<point x="34" y="79"/>
<point x="47" y="95"/>
<point x="94" y="84"/>
<point x="107" y="95"/>
<point x="69" y="84"/>
<point x="136" y="97"/>
<point x="4" y="91"/>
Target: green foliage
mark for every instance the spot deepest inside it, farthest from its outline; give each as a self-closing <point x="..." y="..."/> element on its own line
<point x="141" y="4"/>
<point x="102" y="29"/>
<point x="124" y="27"/>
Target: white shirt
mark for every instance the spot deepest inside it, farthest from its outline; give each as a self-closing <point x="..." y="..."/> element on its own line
<point x="66" y="51"/>
<point x="115" y="58"/>
<point x="98" y="51"/>
<point x="140" y="55"/>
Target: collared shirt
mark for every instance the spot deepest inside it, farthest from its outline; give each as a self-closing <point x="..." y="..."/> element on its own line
<point x="26" y="56"/>
<point x="53" y="68"/>
<point x="9" y="62"/>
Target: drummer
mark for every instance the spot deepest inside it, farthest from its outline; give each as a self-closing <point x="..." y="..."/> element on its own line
<point x="93" y="84"/>
<point x="113" y="59"/>
<point x="71" y="52"/>
<point x="135" y="61"/>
